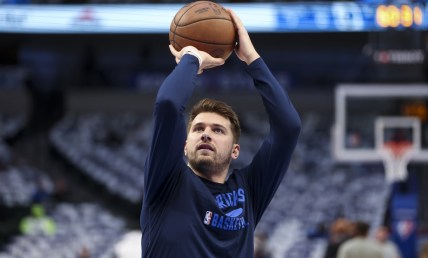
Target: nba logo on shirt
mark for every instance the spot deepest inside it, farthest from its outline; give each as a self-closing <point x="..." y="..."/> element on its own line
<point x="208" y="216"/>
<point x="405" y="228"/>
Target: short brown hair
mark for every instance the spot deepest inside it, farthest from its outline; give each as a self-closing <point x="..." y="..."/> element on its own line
<point x="218" y="107"/>
<point x="361" y="228"/>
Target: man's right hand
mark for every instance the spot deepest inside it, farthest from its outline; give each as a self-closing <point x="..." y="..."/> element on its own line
<point x="244" y="49"/>
<point x="206" y="61"/>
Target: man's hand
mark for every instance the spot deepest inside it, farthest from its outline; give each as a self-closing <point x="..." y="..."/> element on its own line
<point x="244" y="49"/>
<point x="206" y="61"/>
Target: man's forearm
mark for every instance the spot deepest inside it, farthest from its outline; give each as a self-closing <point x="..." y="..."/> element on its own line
<point x="178" y="86"/>
<point x="281" y="112"/>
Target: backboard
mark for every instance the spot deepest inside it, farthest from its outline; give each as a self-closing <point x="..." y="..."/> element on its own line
<point x="370" y="115"/>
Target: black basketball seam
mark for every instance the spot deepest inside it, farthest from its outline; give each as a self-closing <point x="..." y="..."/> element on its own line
<point x="173" y="38"/>
<point x="206" y="19"/>
<point x="201" y="2"/>
<point x="190" y="7"/>
<point x="184" y="12"/>
<point x="177" y="43"/>
<point x="205" y="42"/>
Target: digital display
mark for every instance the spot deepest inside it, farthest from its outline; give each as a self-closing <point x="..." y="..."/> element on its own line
<point x="258" y="17"/>
<point x="418" y="109"/>
<point x="392" y="16"/>
<point x="349" y="16"/>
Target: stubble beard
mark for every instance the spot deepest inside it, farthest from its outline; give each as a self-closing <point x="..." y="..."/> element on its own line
<point x="208" y="166"/>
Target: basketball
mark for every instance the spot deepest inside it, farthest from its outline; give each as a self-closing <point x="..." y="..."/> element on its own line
<point x="205" y="25"/>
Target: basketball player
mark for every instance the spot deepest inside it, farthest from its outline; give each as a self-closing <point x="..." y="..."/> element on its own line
<point x="195" y="208"/>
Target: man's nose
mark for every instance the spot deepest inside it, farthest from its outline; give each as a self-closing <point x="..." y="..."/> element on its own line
<point x="205" y="137"/>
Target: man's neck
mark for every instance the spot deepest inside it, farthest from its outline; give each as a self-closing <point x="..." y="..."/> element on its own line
<point x="216" y="177"/>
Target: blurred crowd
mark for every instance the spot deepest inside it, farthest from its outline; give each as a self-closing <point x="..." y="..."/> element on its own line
<point x="347" y="239"/>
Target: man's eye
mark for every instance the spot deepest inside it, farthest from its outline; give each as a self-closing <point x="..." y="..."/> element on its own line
<point x="218" y="130"/>
<point x="198" y="129"/>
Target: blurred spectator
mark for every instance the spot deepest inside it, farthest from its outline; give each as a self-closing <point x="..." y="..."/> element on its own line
<point x="319" y="231"/>
<point x="37" y="223"/>
<point x="389" y="248"/>
<point x="61" y="191"/>
<point x="360" y="246"/>
<point x="424" y="251"/>
<point x="261" y="249"/>
<point x="40" y="194"/>
<point x="354" y="140"/>
<point x="340" y="231"/>
<point x="84" y="253"/>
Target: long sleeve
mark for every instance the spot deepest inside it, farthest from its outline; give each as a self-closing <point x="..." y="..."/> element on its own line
<point x="270" y="163"/>
<point x="169" y="134"/>
<point x="215" y="220"/>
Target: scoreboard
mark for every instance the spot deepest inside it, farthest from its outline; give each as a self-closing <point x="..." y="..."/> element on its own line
<point x="394" y="16"/>
<point x="258" y="17"/>
<point x="349" y="16"/>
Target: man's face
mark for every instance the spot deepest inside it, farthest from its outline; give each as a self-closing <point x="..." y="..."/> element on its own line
<point x="209" y="145"/>
<point x="382" y="234"/>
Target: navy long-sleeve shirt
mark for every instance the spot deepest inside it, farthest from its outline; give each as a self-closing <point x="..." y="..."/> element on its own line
<point x="184" y="215"/>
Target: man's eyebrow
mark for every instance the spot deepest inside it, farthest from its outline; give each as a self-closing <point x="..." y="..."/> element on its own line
<point x="219" y="125"/>
<point x="198" y="124"/>
<point x="208" y="124"/>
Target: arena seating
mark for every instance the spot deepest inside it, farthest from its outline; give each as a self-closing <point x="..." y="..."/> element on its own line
<point x="19" y="183"/>
<point x="317" y="190"/>
<point x="10" y="125"/>
<point x="79" y="226"/>
<point x="109" y="149"/>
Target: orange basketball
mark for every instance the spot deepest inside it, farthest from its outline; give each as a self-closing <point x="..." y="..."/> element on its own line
<point x="205" y="25"/>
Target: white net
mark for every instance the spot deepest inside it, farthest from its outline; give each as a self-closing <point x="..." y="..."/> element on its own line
<point x="395" y="157"/>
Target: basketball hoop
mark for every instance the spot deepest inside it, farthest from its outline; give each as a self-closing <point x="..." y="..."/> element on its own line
<point x="398" y="148"/>
<point x="359" y="108"/>
<point x="397" y="153"/>
<point x="396" y="156"/>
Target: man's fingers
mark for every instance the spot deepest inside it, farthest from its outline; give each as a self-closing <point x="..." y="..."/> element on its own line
<point x="235" y="18"/>
<point x="218" y="63"/>
<point x="173" y="51"/>
<point x="207" y="60"/>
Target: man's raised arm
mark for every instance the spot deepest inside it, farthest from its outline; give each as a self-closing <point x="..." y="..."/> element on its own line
<point x="169" y="134"/>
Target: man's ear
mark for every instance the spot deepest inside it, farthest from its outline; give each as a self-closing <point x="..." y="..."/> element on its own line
<point x="185" y="149"/>
<point x="235" y="151"/>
